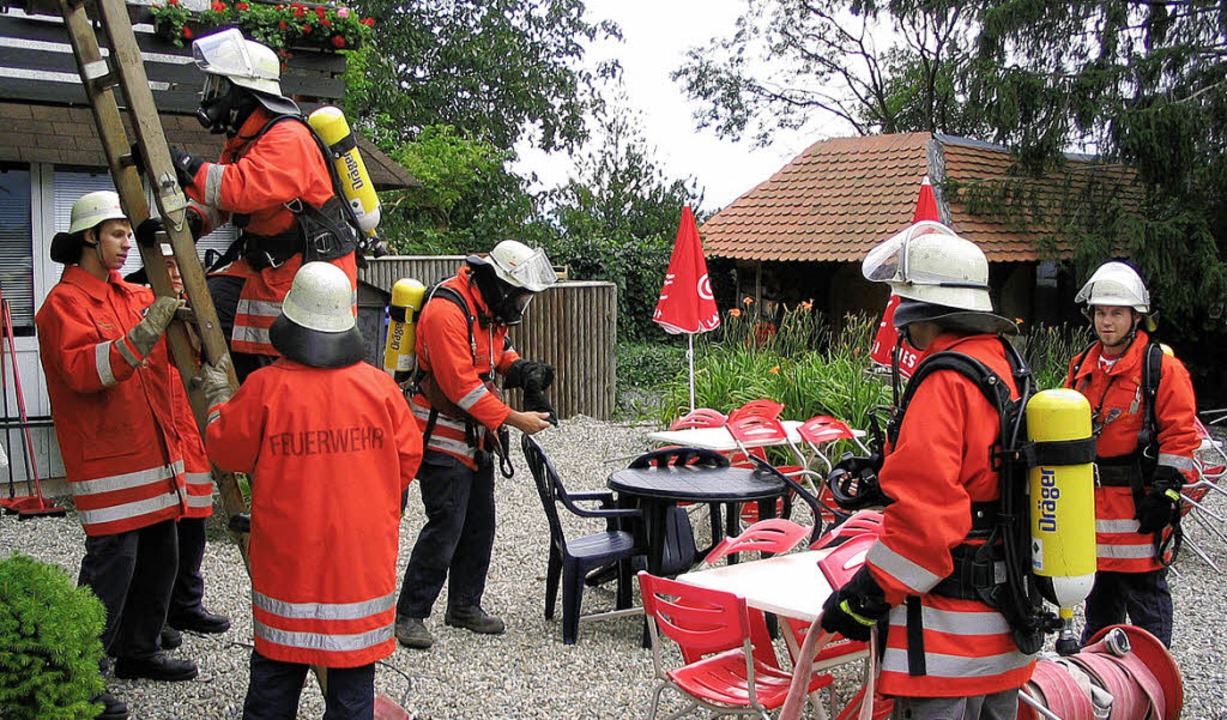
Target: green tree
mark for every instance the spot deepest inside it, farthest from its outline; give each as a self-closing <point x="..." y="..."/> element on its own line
<point x="616" y="220"/>
<point x="489" y="68"/>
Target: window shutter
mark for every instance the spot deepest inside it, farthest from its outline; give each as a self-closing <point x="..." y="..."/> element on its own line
<point x="16" y="254"/>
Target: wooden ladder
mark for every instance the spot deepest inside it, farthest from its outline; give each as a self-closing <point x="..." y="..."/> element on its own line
<point x="125" y="69"/>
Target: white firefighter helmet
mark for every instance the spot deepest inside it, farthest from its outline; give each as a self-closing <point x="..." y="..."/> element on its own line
<point x="523" y="267"/>
<point x="939" y="276"/>
<point x="1116" y="284"/>
<point x="244" y="62"/>
<point x="96" y="207"/>
<point x="320" y="299"/>
<point x="930" y="263"/>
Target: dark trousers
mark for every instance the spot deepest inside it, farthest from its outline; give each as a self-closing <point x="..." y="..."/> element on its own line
<point x="275" y="687"/>
<point x="225" y="291"/>
<point x="132" y="573"/>
<point x="998" y="706"/>
<point x="186" y="600"/>
<point x="456" y="542"/>
<point x="1144" y="597"/>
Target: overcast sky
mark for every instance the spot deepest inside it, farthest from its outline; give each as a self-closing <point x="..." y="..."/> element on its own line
<point x="657" y="34"/>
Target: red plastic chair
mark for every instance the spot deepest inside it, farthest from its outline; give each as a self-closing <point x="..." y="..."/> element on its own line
<point x="862" y="522"/>
<point x="766" y="408"/>
<point x="728" y="677"/>
<point x="774" y="535"/>
<point x="699" y="418"/>
<point x="751" y="433"/>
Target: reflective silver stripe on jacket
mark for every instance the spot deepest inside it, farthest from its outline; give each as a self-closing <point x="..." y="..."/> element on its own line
<point x="916" y="578"/>
<point x="102" y="361"/>
<point x="198" y="478"/>
<point x="438" y="441"/>
<point x="129" y="510"/>
<point x="1179" y="462"/>
<point x="1116" y="526"/>
<point x="200" y="501"/>
<point x="472" y="397"/>
<point x="1140" y="551"/>
<point x="985" y="622"/>
<point x="125" y="481"/>
<point x="213" y="184"/>
<point x="126" y="353"/>
<point x="259" y="308"/>
<point x="214" y="414"/>
<point x="321" y="641"/>
<point x="324" y="611"/>
<point x="246" y="333"/>
<point x="956" y="666"/>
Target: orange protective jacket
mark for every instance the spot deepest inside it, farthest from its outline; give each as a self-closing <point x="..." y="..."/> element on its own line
<point x="938" y="467"/>
<point x="329" y="451"/>
<point x="197" y="469"/>
<point x="1119" y="405"/>
<point x="119" y="432"/>
<point x="443" y="349"/>
<point x="257" y="179"/>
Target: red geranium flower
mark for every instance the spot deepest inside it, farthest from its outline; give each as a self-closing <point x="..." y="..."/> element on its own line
<point x="241" y="6"/>
<point x="218" y="6"/>
<point x="306" y="29"/>
<point x="320" y="12"/>
<point x="282" y="25"/>
<point x="187" y="32"/>
<point x="369" y="22"/>
<point x="326" y="22"/>
<point x="298" y="11"/>
<point x="338" y="41"/>
<point x="172" y="2"/>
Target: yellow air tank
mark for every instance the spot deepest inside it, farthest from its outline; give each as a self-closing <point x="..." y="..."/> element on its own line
<point x="356" y="184"/>
<point x="398" y="354"/>
<point x="1062" y="495"/>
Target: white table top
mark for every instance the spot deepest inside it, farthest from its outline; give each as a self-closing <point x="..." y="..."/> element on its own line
<point x="717" y="438"/>
<point x="790" y="585"/>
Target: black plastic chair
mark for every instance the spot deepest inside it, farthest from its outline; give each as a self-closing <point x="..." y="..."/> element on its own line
<point x="573" y="559"/>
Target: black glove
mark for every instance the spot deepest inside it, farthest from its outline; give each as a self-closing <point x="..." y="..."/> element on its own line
<point x="854" y="609"/>
<point x="1161" y="507"/>
<point x="186" y="165"/>
<point x="854" y="482"/>
<point x="529" y="375"/>
<point x="147" y="231"/>
<point x="536" y="401"/>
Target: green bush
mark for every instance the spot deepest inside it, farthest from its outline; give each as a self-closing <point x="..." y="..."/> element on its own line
<point x="649" y="365"/>
<point x="49" y="632"/>
<point x="1048" y="351"/>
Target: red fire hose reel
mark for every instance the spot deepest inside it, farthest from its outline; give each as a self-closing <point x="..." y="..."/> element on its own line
<point x="1125" y="673"/>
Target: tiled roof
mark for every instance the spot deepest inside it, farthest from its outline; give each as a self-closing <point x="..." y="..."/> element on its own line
<point x="65" y="135"/>
<point x="842" y="196"/>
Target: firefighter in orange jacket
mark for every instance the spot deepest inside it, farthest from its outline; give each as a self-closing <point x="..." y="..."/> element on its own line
<point x="1140" y="469"/>
<point x="461" y="344"/>
<point x="187" y="610"/>
<point x="947" y="655"/>
<point x="110" y="381"/>
<point x="330" y="445"/>
<point x="271" y="181"/>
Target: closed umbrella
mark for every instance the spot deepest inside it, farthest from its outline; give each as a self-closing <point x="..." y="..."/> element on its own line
<point x="686" y="302"/>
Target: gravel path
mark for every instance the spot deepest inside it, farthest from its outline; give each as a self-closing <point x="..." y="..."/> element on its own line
<point x="528" y="672"/>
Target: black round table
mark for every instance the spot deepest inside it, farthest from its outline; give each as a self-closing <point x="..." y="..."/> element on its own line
<point x="658" y="490"/>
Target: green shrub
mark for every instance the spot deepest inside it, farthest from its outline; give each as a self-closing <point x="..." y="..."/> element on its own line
<point x="649" y="365"/>
<point x="1048" y="351"/>
<point x="49" y="632"/>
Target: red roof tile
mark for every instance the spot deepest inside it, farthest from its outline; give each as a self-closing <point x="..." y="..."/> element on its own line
<point x="843" y="196"/>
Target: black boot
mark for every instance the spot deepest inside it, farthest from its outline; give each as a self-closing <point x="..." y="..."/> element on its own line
<point x="112" y="707"/>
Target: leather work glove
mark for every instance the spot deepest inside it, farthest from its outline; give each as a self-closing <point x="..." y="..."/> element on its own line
<point x="186" y="165"/>
<point x="854" y="609"/>
<point x="215" y="381"/>
<point x="157" y="317"/>
<point x="529" y="375"/>
<point x="1161" y="507"/>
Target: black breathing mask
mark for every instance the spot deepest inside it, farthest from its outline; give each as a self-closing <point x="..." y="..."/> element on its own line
<point x="224" y="106"/>
<point x="507" y="303"/>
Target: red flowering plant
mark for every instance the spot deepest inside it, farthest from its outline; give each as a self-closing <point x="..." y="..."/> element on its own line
<point x="279" y="26"/>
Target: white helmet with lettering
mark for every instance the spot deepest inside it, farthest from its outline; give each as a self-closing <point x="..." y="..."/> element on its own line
<point x="938" y="276"/>
<point x="316" y="326"/>
<point x="1116" y="284"/>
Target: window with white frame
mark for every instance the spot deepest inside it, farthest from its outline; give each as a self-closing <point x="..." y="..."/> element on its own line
<point x="16" y="240"/>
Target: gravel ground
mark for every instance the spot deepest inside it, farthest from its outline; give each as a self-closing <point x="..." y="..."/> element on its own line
<point x="528" y="672"/>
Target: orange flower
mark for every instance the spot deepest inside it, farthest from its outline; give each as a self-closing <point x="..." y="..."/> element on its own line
<point x="807" y="305"/>
<point x="747" y="300"/>
<point x="734" y="313"/>
<point x="774" y="371"/>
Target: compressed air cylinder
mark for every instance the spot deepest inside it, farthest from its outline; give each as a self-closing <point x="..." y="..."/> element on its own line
<point x="398" y="355"/>
<point x="356" y="184"/>
<point x="1062" y="494"/>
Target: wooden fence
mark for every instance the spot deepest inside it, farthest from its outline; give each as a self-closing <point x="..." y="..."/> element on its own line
<point x="573" y="326"/>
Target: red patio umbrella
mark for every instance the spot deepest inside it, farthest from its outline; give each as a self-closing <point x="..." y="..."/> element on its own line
<point x="686" y="302"/>
<point x="884" y="342"/>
